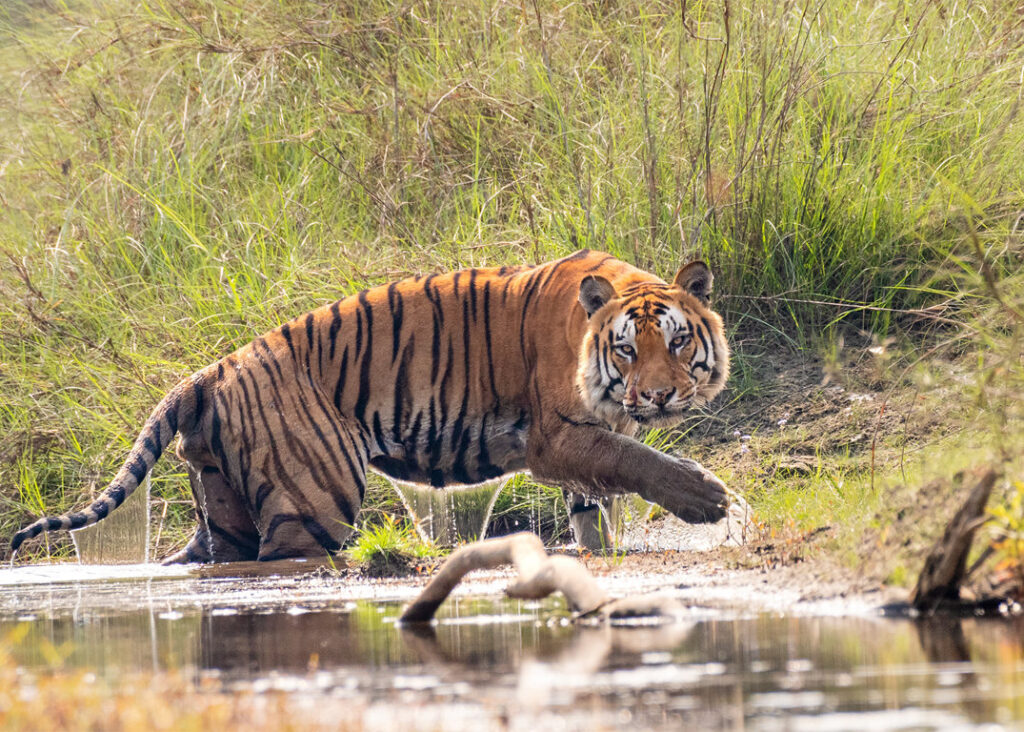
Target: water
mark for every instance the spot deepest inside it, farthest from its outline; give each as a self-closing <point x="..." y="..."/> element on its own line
<point x="448" y="517"/>
<point x="333" y="645"/>
<point x="122" y="537"/>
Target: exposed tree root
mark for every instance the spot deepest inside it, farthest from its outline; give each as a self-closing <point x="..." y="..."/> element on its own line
<point x="539" y="575"/>
<point x="945" y="567"/>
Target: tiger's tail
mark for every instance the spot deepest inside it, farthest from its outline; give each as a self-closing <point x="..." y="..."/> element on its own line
<point x="180" y="407"/>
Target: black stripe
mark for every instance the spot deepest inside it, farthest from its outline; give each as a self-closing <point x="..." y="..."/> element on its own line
<point x="472" y="292"/>
<point x="595" y="343"/>
<point x="403" y="390"/>
<point x="285" y="482"/>
<point x="339" y="386"/>
<point x="172" y="414"/>
<point x="314" y="458"/>
<point x="335" y="325"/>
<point x="580" y="423"/>
<point x="504" y="290"/>
<point x="262" y="492"/>
<point x="438" y="323"/>
<point x="243" y="543"/>
<point x="433" y="439"/>
<point x="378" y="432"/>
<point x="359" y="334"/>
<point x="435" y="350"/>
<point x="306" y="454"/>
<point x="434" y="296"/>
<point x="413" y="435"/>
<point x="396" y="306"/>
<point x="276" y="523"/>
<point x="364" y="372"/>
<point x="357" y="474"/>
<point x="459" y="470"/>
<point x="600" y="263"/>
<point x="309" y="343"/>
<point x="138" y="468"/>
<point x="153" y="448"/>
<point x="286" y="331"/>
<point x="556" y="266"/>
<point x="321" y="534"/>
<point x="244" y="451"/>
<point x="200" y="396"/>
<point x="531" y="290"/>
<point x="456" y="435"/>
<point x="443" y="398"/>
<point x="216" y="444"/>
<point x="392" y="466"/>
<point x="704" y="343"/>
<point x="487" y="338"/>
<point x="269" y="357"/>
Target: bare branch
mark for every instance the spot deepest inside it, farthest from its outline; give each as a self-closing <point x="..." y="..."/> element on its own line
<point x="538" y="576"/>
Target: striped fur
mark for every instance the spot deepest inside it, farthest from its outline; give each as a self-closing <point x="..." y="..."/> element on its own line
<point x="440" y="380"/>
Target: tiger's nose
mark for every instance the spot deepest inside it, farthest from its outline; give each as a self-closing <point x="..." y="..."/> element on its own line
<point x="658" y="396"/>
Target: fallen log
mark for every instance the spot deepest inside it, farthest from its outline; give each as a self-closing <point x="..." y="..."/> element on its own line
<point x="538" y="575"/>
<point x="945" y="568"/>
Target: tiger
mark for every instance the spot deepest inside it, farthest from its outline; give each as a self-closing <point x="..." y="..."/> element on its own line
<point x="441" y="380"/>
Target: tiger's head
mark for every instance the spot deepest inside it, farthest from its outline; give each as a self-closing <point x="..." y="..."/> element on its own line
<point x="651" y="350"/>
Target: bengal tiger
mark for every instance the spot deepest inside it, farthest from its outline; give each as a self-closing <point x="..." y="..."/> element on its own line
<point x="447" y="379"/>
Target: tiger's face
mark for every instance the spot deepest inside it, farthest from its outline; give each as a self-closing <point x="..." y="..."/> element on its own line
<point x="651" y="351"/>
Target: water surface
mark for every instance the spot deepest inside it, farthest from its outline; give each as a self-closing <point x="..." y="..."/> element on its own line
<point x="490" y="662"/>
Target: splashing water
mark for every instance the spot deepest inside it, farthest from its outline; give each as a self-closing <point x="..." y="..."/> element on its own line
<point x="120" y="538"/>
<point x="450" y="516"/>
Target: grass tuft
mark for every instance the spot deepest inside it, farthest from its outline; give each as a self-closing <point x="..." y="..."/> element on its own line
<point x="389" y="548"/>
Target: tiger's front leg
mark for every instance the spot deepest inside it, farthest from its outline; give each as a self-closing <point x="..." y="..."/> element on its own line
<point x="592" y="460"/>
<point x="593" y="520"/>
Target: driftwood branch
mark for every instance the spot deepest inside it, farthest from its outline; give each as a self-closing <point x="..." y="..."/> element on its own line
<point x="944" y="569"/>
<point x="538" y="575"/>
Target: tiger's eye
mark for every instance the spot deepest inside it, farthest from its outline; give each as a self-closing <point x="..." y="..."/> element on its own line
<point x="625" y="350"/>
<point x="678" y="341"/>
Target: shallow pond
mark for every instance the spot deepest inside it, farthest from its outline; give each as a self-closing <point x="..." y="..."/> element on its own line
<point x="334" y="646"/>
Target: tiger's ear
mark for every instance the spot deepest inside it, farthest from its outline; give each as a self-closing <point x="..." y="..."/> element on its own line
<point x="696" y="279"/>
<point x="595" y="291"/>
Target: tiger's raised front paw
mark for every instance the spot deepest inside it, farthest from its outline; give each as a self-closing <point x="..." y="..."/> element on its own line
<point x="694" y="493"/>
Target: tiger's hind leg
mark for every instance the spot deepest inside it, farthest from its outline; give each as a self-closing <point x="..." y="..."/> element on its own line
<point x="310" y="508"/>
<point x="226" y="532"/>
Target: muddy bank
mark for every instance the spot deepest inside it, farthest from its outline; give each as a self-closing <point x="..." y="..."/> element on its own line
<point x="703" y="580"/>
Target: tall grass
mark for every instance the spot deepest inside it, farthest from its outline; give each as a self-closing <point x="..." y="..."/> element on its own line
<point x="177" y="177"/>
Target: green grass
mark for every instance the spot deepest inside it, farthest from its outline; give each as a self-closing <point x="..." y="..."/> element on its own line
<point x="178" y="177"/>
<point x="389" y="547"/>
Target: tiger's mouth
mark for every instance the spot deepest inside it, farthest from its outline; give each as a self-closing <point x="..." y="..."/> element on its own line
<point x="652" y="416"/>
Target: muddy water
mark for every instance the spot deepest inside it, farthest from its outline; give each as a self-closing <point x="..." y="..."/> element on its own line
<point x="333" y="646"/>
